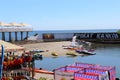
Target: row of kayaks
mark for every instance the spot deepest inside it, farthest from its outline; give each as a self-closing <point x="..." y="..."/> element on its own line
<point x="21" y="60"/>
<point x="37" y="51"/>
<point x="70" y="47"/>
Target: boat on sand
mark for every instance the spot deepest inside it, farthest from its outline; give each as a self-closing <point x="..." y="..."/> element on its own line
<point x="88" y="52"/>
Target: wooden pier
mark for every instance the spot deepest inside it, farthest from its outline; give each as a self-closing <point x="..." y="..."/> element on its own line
<point x="15" y="30"/>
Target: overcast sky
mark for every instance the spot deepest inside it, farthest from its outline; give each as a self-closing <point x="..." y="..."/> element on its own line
<point x="62" y="14"/>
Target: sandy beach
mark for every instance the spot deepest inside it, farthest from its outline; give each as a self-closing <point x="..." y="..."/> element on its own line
<point x="49" y="47"/>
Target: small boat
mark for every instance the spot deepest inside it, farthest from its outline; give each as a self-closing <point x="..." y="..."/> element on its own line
<point x="67" y="47"/>
<point x="37" y="51"/>
<point x="54" y="54"/>
<point x="38" y="56"/>
<point x="39" y="70"/>
<point x="71" y="53"/>
<point x="43" y="71"/>
<point x="70" y="47"/>
<point x="89" y="52"/>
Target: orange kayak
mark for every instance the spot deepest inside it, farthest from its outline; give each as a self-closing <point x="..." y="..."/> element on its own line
<point x="40" y="71"/>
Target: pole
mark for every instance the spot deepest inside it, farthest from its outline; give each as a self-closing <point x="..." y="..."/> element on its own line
<point x="33" y="67"/>
<point x="21" y="36"/>
<point x="1" y="62"/>
<point x="10" y="36"/>
<point x="15" y="36"/>
<point x="3" y="36"/>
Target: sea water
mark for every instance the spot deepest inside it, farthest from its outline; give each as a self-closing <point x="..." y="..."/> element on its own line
<point x="106" y="55"/>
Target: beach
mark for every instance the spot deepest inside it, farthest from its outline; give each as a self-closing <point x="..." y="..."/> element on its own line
<point x="49" y="47"/>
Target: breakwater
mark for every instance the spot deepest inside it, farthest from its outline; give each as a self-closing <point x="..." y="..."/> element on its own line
<point x="112" y="37"/>
<point x="99" y="36"/>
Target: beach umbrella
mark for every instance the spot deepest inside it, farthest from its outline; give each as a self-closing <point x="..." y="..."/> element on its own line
<point x="15" y="24"/>
<point x="2" y="24"/>
<point x="24" y="24"/>
<point x="5" y="24"/>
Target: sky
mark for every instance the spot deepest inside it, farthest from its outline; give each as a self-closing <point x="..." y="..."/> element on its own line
<point x="62" y="14"/>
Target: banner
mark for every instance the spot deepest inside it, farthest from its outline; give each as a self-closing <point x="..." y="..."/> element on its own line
<point x="97" y="35"/>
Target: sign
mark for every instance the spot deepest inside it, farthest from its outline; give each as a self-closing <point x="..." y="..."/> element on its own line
<point x="97" y="35"/>
<point x="48" y="36"/>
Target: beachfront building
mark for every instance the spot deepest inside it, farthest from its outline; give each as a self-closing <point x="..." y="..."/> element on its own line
<point x="15" y="64"/>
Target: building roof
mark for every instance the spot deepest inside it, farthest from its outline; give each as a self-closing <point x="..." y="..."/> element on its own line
<point x="9" y="47"/>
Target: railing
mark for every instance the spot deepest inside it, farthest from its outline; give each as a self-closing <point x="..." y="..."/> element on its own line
<point x="15" y="29"/>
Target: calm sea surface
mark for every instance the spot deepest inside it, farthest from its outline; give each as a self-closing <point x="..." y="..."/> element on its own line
<point x="106" y="55"/>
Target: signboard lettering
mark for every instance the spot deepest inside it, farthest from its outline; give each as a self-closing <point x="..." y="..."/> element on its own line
<point x="97" y="35"/>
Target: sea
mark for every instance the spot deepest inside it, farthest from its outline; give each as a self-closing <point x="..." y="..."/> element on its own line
<point x="106" y="54"/>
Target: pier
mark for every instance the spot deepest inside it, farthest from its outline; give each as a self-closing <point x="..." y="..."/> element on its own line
<point x="15" y="30"/>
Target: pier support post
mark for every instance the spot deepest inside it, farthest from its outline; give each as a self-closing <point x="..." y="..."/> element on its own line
<point x="21" y="35"/>
<point x="10" y="36"/>
<point x="16" y="36"/>
<point x="27" y="34"/>
<point x="3" y="36"/>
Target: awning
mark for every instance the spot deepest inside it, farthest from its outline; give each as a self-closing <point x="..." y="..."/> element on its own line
<point x="9" y="47"/>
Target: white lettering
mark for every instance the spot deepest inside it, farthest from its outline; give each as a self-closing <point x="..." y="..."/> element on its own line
<point x="98" y="36"/>
<point x="102" y="36"/>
